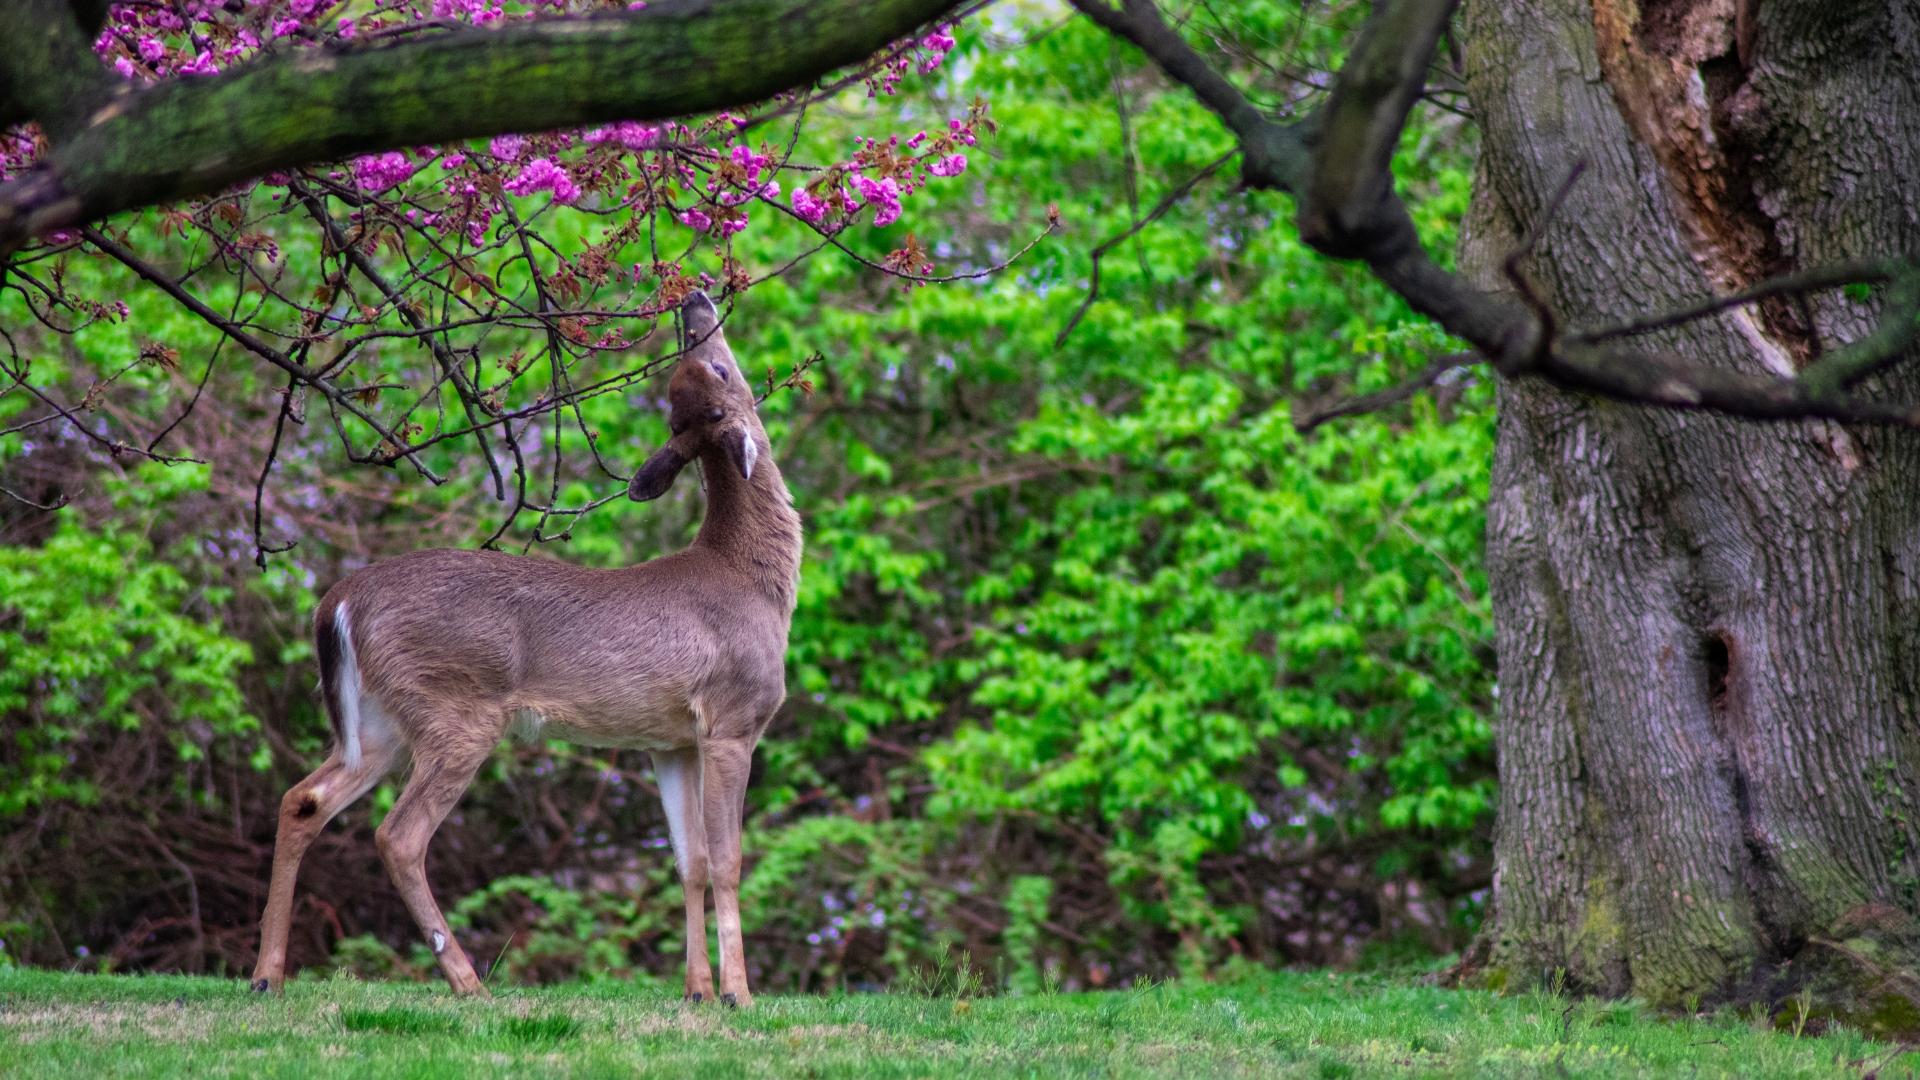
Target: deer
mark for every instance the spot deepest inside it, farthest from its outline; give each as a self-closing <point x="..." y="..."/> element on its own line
<point x="438" y="655"/>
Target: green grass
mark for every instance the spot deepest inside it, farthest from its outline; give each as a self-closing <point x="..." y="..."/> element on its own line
<point x="1285" y="1025"/>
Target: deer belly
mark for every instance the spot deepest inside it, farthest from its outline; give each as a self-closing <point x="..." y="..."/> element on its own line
<point x="625" y="729"/>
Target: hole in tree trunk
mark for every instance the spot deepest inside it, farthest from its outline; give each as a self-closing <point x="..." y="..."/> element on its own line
<point x="1719" y="662"/>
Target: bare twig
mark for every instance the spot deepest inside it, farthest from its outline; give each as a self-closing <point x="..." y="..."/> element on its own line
<point x="1380" y="399"/>
<point x="1167" y="203"/>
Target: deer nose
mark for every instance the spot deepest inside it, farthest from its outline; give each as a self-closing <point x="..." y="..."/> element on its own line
<point x="716" y="413"/>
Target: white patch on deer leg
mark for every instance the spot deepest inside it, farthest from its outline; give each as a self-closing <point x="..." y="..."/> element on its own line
<point x="673" y="781"/>
<point x="439" y="943"/>
<point x="349" y="689"/>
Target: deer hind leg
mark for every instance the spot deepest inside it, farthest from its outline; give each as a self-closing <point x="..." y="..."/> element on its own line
<point x="442" y="770"/>
<point x="681" y="780"/>
<point x="728" y="763"/>
<point x="304" y="812"/>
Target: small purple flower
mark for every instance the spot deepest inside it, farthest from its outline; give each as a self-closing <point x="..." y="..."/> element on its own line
<point x="696" y="220"/>
<point x="151" y="49"/>
<point x="378" y="172"/>
<point x="733" y="225"/>
<point x="506" y="147"/>
<point x="884" y="194"/>
<point x="808" y="208"/>
<point x="346" y="28"/>
<point x="201" y="64"/>
<point x="453" y="161"/>
<point x="283" y="27"/>
<point x="627" y="133"/>
<point x="124" y="67"/>
<point x="744" y="157"/>
<point x="951" y="165"/>
<point x="541" y="174"/>
<point x="303" y="8"/>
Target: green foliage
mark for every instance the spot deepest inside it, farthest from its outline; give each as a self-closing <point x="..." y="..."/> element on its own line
<point x="94" y="632"/>
<point x="1026" y="910"/>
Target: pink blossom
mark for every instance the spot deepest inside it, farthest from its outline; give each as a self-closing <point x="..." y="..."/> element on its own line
<point x="303" y="8"/>
<point x="453" y="161"/>
<point x="696" y="220"/>
<point x="808" y="208"/>
<point x="346" y="28"/>
<point x="124" y="67"/>
<point x="541" y="174"/>
<point x="951" y="165"/>
<point x="937" y="45"/>
<point x="151" y="49"/>
<point x="914" y="143"/>
<point x="636" y="5"/>
<point x="884" y="194"/>
<point x="201" y="64"/>
<point x="627" y="133"/>
<point x="283" y="27"/>
<point x="378" y="172"/>
<point x="744" y="157"/>
<point x="733" y="225"/>
<point x="506" y="146"/>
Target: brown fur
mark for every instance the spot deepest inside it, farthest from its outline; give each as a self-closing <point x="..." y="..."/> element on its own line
<point x="683" y="656"/>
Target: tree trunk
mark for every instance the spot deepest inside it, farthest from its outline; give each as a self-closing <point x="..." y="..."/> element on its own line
<point x="1708" y="630"/>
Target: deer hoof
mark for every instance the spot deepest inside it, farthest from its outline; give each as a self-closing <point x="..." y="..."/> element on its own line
<point x="696" y="998"/>
<point x="730" y="1001"/>
<point x="261" y="986"/>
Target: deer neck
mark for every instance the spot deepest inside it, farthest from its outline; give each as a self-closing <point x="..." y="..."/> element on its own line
<point x="752" y="523"/>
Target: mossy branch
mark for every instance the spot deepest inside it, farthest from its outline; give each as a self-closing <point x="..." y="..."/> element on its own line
<point x="189" y="136"/>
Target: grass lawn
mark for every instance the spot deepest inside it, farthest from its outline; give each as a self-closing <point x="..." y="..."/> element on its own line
<point x="1287" y="1024"/>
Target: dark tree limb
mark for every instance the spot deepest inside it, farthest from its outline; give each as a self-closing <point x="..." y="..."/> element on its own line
<point x="189" y="136"/>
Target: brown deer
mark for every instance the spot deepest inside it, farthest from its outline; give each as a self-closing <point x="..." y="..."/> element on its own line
<point x="438" y="654"/>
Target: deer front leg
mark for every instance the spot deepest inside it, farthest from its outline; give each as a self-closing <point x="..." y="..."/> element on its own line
<point x="682" y="787"/>
<point x="728" y="763"/>
<point x="440" y="776"/>
<point x="305" y="810"/>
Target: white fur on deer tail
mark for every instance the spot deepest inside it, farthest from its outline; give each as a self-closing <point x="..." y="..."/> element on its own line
<point x="347" y="687"/>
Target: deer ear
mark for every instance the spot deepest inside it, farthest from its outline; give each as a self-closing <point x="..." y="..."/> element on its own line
<point x="656" y="476"/>
<point x="741" y="449"/>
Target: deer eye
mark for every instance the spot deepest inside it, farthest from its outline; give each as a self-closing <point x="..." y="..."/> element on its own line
<point x="716" y="413"/>
<point x="719" y="371"/>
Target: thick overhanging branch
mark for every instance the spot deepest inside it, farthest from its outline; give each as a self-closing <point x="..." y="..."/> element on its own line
<point x="190" y="136"/>
<point x="1336" y="166"/>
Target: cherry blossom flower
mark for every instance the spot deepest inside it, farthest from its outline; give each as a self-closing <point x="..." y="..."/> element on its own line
<point x="808" y="208"/>
<point x="506" y="147"/>
<point x="884" y="194"/>
<point x="541" y="174"/>
<point x="378" y="172"/>
<point x="696" y="220"/>
<point x="346" y="28"/>
<point x="627" y="133"/>
<point x="950" y="165"/>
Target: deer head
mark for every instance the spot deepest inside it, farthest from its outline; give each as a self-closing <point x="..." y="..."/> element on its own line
<point x="712" y="405"/>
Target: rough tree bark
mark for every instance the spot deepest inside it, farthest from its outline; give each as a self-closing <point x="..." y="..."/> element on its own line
<point x="1708" y="629"/>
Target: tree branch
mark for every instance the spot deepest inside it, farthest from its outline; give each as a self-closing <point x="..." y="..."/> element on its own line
<point x="189" y="136"/>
